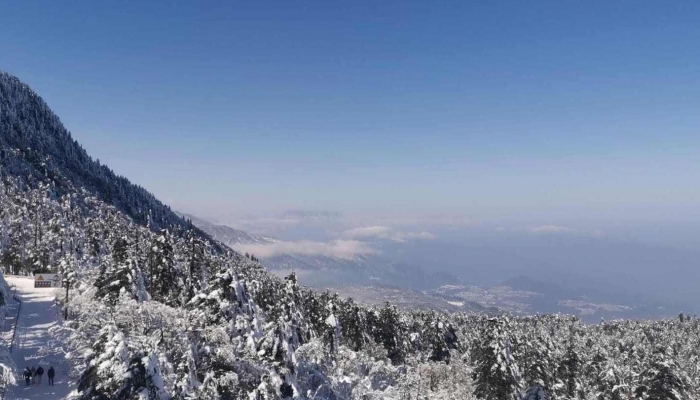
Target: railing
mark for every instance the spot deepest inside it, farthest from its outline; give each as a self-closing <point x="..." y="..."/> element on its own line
<point x="14" y="330"/>
<point x="3" y="390"/>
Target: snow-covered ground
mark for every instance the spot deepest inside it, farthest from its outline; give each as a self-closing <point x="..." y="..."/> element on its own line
<point x="34" y="344"/>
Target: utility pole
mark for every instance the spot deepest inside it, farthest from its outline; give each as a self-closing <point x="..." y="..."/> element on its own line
<point x="65" y="306"/>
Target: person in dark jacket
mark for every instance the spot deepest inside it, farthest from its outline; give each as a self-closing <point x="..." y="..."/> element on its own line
<point x="51" y="375"/>
<point x="28" y="376"/>
<point x="33" y="370"/>
<point x="39" y="373"/>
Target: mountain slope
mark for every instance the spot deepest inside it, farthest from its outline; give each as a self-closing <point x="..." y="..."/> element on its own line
<point x="36" y="146"/>
<point x="227" y="235"/>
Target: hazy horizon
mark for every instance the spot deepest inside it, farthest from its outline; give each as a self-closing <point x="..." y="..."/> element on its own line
<point x="549" y="113"/>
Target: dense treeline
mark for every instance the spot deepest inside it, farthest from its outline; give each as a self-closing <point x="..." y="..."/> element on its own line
<point x="35" y="145"/>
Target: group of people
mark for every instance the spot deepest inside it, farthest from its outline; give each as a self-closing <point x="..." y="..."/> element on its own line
<point x="33" y="375"/>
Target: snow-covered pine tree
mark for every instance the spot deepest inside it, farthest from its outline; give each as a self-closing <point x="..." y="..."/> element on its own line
<point x="162" y="276"/>
<point x="438" y="336"/>
<point x="389" y="330"/>
<point x="538" y="361"/>
<point x="567" y="385"/>
<point x="194" y="255"/>
<point x="121" y="276"/>
<point x="496" y="374"/>
<point x="107" y="364"/>
<point x="662" y="379"/>
<point x="354" y="325"/>
<point x="117" y="372"/>
<point x="141" y="380"/>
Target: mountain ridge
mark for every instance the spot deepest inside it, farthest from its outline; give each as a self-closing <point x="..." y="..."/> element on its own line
<point x="37" y="146"/>
<point x="323" y="271"/>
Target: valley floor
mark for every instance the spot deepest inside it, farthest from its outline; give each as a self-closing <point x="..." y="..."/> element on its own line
<point x="34" y="345"/>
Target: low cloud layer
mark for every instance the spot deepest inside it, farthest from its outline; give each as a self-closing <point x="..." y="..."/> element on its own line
<point x="386" y="233"/>
<point x="345" y="249"/>
<point x="552" y="229"/>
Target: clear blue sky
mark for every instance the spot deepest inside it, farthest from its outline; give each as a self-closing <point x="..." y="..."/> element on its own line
<point x="493" y="109"/>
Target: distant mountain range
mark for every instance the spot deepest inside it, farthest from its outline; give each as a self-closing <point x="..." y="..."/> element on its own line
<point x="375" y="279"/>
<point x="325" y="271"/>
<point x="225" y="234"/>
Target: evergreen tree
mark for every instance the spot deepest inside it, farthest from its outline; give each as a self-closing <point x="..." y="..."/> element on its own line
<point x="662" y="379"/>
<point x="162" y="276"/>
<point x="539" y="363"/>
<point x="195" y="263"/>
<point x="354" y="325"/>
<point x="569" y="371"/>
<point x="496" y="375"/>
<point x="103" y="378"/>
<point x="120" y="277"/>
<point x="388" y="330"/>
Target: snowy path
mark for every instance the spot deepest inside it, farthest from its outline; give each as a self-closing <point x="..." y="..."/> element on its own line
<point x="34" y="345"/>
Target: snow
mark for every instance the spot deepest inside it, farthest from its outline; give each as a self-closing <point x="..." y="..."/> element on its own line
<point x="331" y="321"/>
<point x="34" y="344"/>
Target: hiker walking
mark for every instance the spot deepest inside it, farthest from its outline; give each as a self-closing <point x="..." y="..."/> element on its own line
<point x="28" y="375"/>
<point x="40" y="373"/>
<point x="33" y="374"/>
<point x="51" y="373"/>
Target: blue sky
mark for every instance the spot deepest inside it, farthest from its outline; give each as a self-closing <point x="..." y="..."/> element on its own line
<point x="550" y="111"/>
